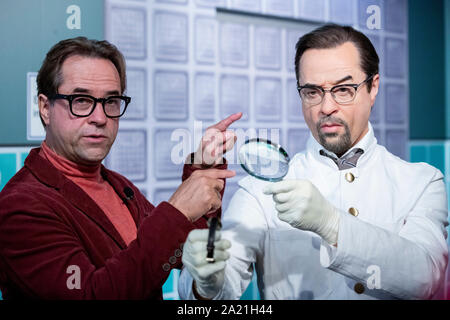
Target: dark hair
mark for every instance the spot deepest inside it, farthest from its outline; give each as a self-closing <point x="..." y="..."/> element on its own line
<point x="49" y="77"/>
<point x="333" y="35"/>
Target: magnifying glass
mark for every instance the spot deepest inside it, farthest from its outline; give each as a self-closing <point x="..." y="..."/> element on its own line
<point x="264" y="159"/>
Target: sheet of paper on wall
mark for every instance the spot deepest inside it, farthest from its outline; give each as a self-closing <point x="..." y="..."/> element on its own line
<point x="137" y="90"/>
<point x="280" y="8"/>
<point x="171" y="148"/>
<point x="234" y="95"/>
<point x="341" y="12"/>
<point x="268" y="99"/>
<point x="204" y="96"/>
<point x="205" y="40"/>
<point x="171" y="36"/>
<point x="234" y="40"/>
<point x="127" y="31"/>
<point x="267" y="48"/>
<point x="396" y="103"/>
<point x="246" y="5"/>
<point x="128" y="155"/>
<point x="394" y="54"/>
<point x="171" y="95"/>
<point x="211" y="3"/>
<point x="35" y="129"/>
<point x="314" y="10"/>
<point x="396" y="142"/>
<point x="292" y="37"/>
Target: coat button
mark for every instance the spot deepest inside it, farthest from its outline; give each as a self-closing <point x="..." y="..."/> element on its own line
<point x="359" y="288"/>
<point x="172" y="260"/>
<point x="178" y="253"/>
<point x="349" y="177"/>
<point x="353" y="211"/>
<point x="166" y="267"/>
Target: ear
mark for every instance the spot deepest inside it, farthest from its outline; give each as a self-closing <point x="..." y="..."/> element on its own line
<point x="44" y="108"/>
<point x="374" y="88"/>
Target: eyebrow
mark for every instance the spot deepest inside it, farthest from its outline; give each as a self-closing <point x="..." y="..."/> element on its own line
<point x="87" y="91"/>
<point x="349" y="77"/>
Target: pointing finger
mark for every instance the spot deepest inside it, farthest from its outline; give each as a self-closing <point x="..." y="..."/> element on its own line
<point x="225" y="123"/>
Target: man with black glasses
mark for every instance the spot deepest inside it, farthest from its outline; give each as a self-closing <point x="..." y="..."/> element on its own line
<point x="72" y="229"/>
<point x="350" y="220"/>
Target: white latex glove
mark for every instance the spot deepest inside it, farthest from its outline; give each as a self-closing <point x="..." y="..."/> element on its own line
<point x="300" y="204"/>
<point x="208" y="277"/>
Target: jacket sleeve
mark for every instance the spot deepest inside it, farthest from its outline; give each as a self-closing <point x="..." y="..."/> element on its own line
<point x="245" y="227"/>
<point x="42" y="257"/>
<point x="408" y="263"/>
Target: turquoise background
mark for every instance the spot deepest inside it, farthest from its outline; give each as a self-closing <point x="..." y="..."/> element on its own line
<point x="7" y="168"/>
<point x="37" y="25"/>
<point x="427" y="74"/>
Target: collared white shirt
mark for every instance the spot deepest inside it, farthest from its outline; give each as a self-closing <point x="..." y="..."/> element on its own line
<point x="391" y="245"/>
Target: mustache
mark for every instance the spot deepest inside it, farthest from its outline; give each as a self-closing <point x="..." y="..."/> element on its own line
<point x="330" y="119"/>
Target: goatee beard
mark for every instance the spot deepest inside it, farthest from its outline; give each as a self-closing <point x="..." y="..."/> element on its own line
<point x="343" y="142"/>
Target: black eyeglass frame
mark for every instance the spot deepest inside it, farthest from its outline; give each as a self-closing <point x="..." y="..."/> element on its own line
<point x="353" y="85"/>
<point x="71" y="97"/>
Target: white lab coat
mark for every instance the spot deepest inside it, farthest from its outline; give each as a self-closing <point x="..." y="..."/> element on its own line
<point x="395" y="247"/>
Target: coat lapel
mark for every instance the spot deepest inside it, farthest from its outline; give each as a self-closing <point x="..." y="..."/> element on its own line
<point x="81" y="200"/>
<point x="49" y="175"/>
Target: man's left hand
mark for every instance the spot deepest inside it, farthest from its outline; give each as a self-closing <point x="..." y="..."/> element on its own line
<point x="300" y="204"/>
<point x="216" y="141"/>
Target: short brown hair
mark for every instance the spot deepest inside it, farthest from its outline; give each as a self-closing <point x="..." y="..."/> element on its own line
<point x="333" y="35"/>
<point x="49" y="77"/>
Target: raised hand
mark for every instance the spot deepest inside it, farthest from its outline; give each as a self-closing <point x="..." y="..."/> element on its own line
<point x="216" y="141"/>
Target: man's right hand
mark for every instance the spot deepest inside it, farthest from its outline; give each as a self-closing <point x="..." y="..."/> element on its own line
<point x="208" y="277"/>
<point x="200" y="193"/>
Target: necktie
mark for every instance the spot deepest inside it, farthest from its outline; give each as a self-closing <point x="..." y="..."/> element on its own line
<point x="346" y="162"/>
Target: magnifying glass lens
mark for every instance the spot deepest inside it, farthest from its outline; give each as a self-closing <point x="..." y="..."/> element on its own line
<point x="264" y="159"/>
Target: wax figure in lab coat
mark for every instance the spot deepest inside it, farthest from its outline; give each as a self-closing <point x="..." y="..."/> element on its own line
<point x="350" y="220"/>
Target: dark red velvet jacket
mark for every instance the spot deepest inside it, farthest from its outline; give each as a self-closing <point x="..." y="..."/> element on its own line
<point x="48" y="223"/>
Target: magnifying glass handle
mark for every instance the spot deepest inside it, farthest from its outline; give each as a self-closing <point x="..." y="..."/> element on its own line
<point x="214" y="224"/>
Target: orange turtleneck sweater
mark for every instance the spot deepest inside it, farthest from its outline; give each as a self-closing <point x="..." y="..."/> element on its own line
<point x="91" y="181"/>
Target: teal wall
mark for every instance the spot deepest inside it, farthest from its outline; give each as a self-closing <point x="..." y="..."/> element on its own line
<point x="447" y="64"/>
<point x="429" y="77"/>
<point x="427" y="59"/>
<point x="28" y="29"/>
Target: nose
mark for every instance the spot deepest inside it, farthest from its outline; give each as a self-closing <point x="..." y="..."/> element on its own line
<point x="328" y="106"/>
<point x="98" y="116"/>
